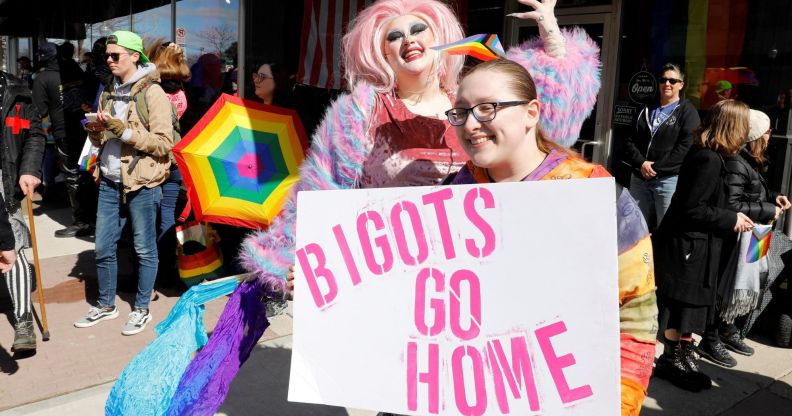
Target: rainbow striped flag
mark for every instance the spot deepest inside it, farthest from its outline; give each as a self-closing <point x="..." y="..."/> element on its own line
<point x="759" y="243"/>
<point x="483" y="47"/>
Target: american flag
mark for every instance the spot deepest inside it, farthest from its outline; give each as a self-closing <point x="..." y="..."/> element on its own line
<point x="324" y="23"/>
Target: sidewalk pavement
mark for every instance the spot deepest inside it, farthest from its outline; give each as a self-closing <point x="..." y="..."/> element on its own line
<point x="73" y="372"/>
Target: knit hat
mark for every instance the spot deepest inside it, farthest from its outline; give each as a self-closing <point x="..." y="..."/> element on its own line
<point x="47" y="51"/>
<point x="129" y="40"/>
<point x="759" y="124"/>
<point x="722" y="85"/>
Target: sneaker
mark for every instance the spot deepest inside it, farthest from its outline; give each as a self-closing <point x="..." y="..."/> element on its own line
<point x="24" y="335"/>
<point x="734" y="342"/>
<point x="96" y="315"/>
<point x="716" y="353"/>
<point x="75" y="230"/>
<point x="137" y="322"/>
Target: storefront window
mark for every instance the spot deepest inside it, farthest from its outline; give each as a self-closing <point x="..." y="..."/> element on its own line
<point x="210" y="36"/>
<point x="153" y="24"/>
<point x="728" y="49"/>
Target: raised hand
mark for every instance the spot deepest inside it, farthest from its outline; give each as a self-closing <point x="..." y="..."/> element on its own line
<point x="543" y="12"/>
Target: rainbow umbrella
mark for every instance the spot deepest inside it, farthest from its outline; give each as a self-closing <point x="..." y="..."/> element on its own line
<point x="240" y="160"/>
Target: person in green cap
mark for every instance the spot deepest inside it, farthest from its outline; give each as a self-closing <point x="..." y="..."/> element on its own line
<point x="134" y="132"/>
<point x="724" y="89"/>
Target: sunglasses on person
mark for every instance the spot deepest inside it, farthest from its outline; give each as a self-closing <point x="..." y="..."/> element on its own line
<point x="482" y="112"/>
<point x="672" y="81"/>
<point x="115" y="56"/>
<point x="260" y="76"/>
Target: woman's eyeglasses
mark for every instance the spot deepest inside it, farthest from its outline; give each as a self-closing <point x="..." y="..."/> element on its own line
<point x="115" y="56"/>
<point x="482" y="112"/>
<point x="672" y="81"/>
<point x="260" y="76"/>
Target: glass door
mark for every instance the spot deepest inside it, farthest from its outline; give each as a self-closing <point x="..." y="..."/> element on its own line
<point x="594" y="142"/>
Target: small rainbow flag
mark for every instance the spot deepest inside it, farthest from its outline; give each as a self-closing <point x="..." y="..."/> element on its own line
<point x="760" y="242"/>
<point x="484" y="47"/>
<point x="87" y="164"/>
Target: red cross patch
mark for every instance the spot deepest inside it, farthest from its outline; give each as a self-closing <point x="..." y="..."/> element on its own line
<point x="17" y="123"/>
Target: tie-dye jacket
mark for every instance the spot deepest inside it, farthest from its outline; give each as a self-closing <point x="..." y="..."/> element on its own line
<point x="637" y="302"/>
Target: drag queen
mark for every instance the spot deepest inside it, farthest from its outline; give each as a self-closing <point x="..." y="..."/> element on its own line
<point x="389" y="130"/>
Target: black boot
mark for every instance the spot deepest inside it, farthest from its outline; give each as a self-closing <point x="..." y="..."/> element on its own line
<point x="24" y="335"/>
<point x="78" y="229"/>
<point x="691" y="360"/>
<point x="717" y="353"/>
<point x="673" y="367"/>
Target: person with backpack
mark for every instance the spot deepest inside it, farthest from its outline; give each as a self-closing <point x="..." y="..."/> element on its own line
<point x="171" y="63"/>
<point x="134" y="132"/>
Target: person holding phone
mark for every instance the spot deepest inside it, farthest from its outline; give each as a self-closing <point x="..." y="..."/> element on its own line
<point x="662" y="137"/>
<point x="133" y="163"/>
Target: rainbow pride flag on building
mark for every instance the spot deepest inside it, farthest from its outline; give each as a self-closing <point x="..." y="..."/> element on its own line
<point x="759" y="243"/>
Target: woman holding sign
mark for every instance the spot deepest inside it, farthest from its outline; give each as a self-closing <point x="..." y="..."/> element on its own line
<point x="389" y="130"/>
<point x="497" y="118"/>
<point x="689" y="241"/>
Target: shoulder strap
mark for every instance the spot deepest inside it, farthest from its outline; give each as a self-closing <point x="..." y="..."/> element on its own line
<point x="142" y="105"/>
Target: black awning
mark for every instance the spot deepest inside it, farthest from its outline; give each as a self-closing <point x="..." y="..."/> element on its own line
<point x="64" y="19"/>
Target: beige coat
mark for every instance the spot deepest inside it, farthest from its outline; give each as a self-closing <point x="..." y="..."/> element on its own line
<point x="151" y="146"/>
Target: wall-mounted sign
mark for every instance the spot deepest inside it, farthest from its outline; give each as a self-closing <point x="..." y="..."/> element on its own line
<point x="624" y="114"/>
<point x="181" y="35"/>
<point x="643" y="87"/>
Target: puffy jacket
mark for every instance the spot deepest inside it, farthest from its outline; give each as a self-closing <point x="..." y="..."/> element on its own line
<point x="144" y="157"/>
<point x="746" y="190"/>
<point x="670" y="143"/>
<point x="6" y="232"/>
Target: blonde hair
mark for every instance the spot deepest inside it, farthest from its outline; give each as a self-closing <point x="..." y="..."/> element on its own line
<point x="170" y="60"/>
<point x="725" y="127"/>
<point x="757" y="149"/>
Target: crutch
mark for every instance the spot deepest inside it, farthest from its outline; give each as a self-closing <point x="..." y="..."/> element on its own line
<point x="45" y="332"/>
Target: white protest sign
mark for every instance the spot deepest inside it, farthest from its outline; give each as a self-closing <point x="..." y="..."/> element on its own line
<point x="459" y="300"/>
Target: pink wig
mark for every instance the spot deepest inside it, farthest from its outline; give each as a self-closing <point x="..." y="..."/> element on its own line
<point x="364" y="59"/>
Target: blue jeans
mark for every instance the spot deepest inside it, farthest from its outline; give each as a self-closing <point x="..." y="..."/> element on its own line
<point x="653" y="196"/>
<point x="166" y="232"/>
<point x="170" y="194"/>
<point x="112" y="214"/>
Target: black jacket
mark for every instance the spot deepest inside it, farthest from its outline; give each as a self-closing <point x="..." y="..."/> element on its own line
<point x="746" y="190"/>
<point x="23" y="140"/>
<point x="687" y="244"/>
<point x="670" y="143"/>
<point x="7" y="241"/>
<point x="48" y="99"/>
